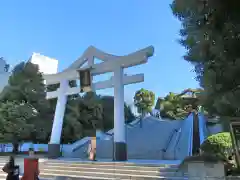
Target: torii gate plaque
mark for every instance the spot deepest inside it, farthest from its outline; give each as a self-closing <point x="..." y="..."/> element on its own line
<point x="110" y="63"/>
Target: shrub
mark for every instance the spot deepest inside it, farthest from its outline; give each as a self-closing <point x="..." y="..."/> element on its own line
<point x="219" y="144"/>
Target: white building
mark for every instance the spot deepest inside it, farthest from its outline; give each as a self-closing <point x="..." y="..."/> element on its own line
<point x="4" y="75"/>
<point x="46" y="66"/>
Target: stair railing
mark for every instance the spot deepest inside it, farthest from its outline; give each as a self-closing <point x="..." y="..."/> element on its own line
<point x="111" y="134"/>
<point x="164" y="150"/>
<point x="177" y="143"/>
<point x="190" y="143"/>
<point x="176" y="148"/>
<point x="79" y="147"/>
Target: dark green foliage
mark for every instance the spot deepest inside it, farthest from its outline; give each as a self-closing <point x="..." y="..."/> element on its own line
<point x="129" y="116"/>
<point x="211" y="34"/>
<point x="220" y="144"/>
<point x="16" y="121"/>
<point x="26" y="85"/>
<point x="177" y="106"/>
<point x="108" y="112"/>
<point x="172" y="107"/>
<point x="84" y="115"/>
<point x="25" y="90"/>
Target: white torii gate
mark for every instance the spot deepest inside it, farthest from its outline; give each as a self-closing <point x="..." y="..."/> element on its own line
<point x="110" y="63"/>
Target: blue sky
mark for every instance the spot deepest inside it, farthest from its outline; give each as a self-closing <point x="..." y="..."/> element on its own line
<point x="64" y="29"/>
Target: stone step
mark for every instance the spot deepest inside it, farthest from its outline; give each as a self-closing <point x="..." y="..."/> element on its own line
<point x="52" y="175"/>
<point x="104" y="168"/>
<point x="107" y="170"/>
<point x="107" y="166"/>
<point x="49" y="169"/>
<point x="99" y="178"/>
<point x="101" y="163"/>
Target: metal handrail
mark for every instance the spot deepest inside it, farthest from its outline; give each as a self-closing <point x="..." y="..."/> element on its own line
<point x="177" y="142"/>
<point x="109" y="134"/>
<point x="190" y="141"/>
<point x="78" y="147"/>
<point x="169" y="140"/>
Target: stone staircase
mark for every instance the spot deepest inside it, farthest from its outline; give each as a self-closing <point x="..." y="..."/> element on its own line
<point x="151" y="146"/>
<point x="49" y="169"/>
<point x="107" y="170"/>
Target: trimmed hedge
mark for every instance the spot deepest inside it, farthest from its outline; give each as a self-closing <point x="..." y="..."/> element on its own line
<point x="219" y="144"/>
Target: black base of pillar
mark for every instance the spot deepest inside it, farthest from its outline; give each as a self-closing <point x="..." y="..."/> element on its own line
<point x="54" y="151"/>
<point x="120" y="151"/>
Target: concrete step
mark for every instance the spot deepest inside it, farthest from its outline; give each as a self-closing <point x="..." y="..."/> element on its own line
<point x="49" y="169"/>
<point x="107" y="170"/>
<point x="108" y="165"/>
<point x="51" y="176"/>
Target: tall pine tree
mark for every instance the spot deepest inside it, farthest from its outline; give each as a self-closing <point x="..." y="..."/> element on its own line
<point x="26" y="87"/>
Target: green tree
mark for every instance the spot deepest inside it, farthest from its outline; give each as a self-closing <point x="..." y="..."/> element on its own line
<point x="108" y="112"/>
<point x="84" y="116"/>
<point x="26" y="86"/>
<point x="144" y="101"/>
<point x="16" y="121"/>
<point x="177" y="106"/>
<point x="210" y="33"/>
<point x="172" y="107"/>
<point x="129" y="116"/>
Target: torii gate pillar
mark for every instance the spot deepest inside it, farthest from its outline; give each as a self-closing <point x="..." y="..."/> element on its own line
<point x="120" y="148"/>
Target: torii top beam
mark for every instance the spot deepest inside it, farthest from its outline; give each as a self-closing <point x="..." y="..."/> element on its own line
<point x="108" y="64"/>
